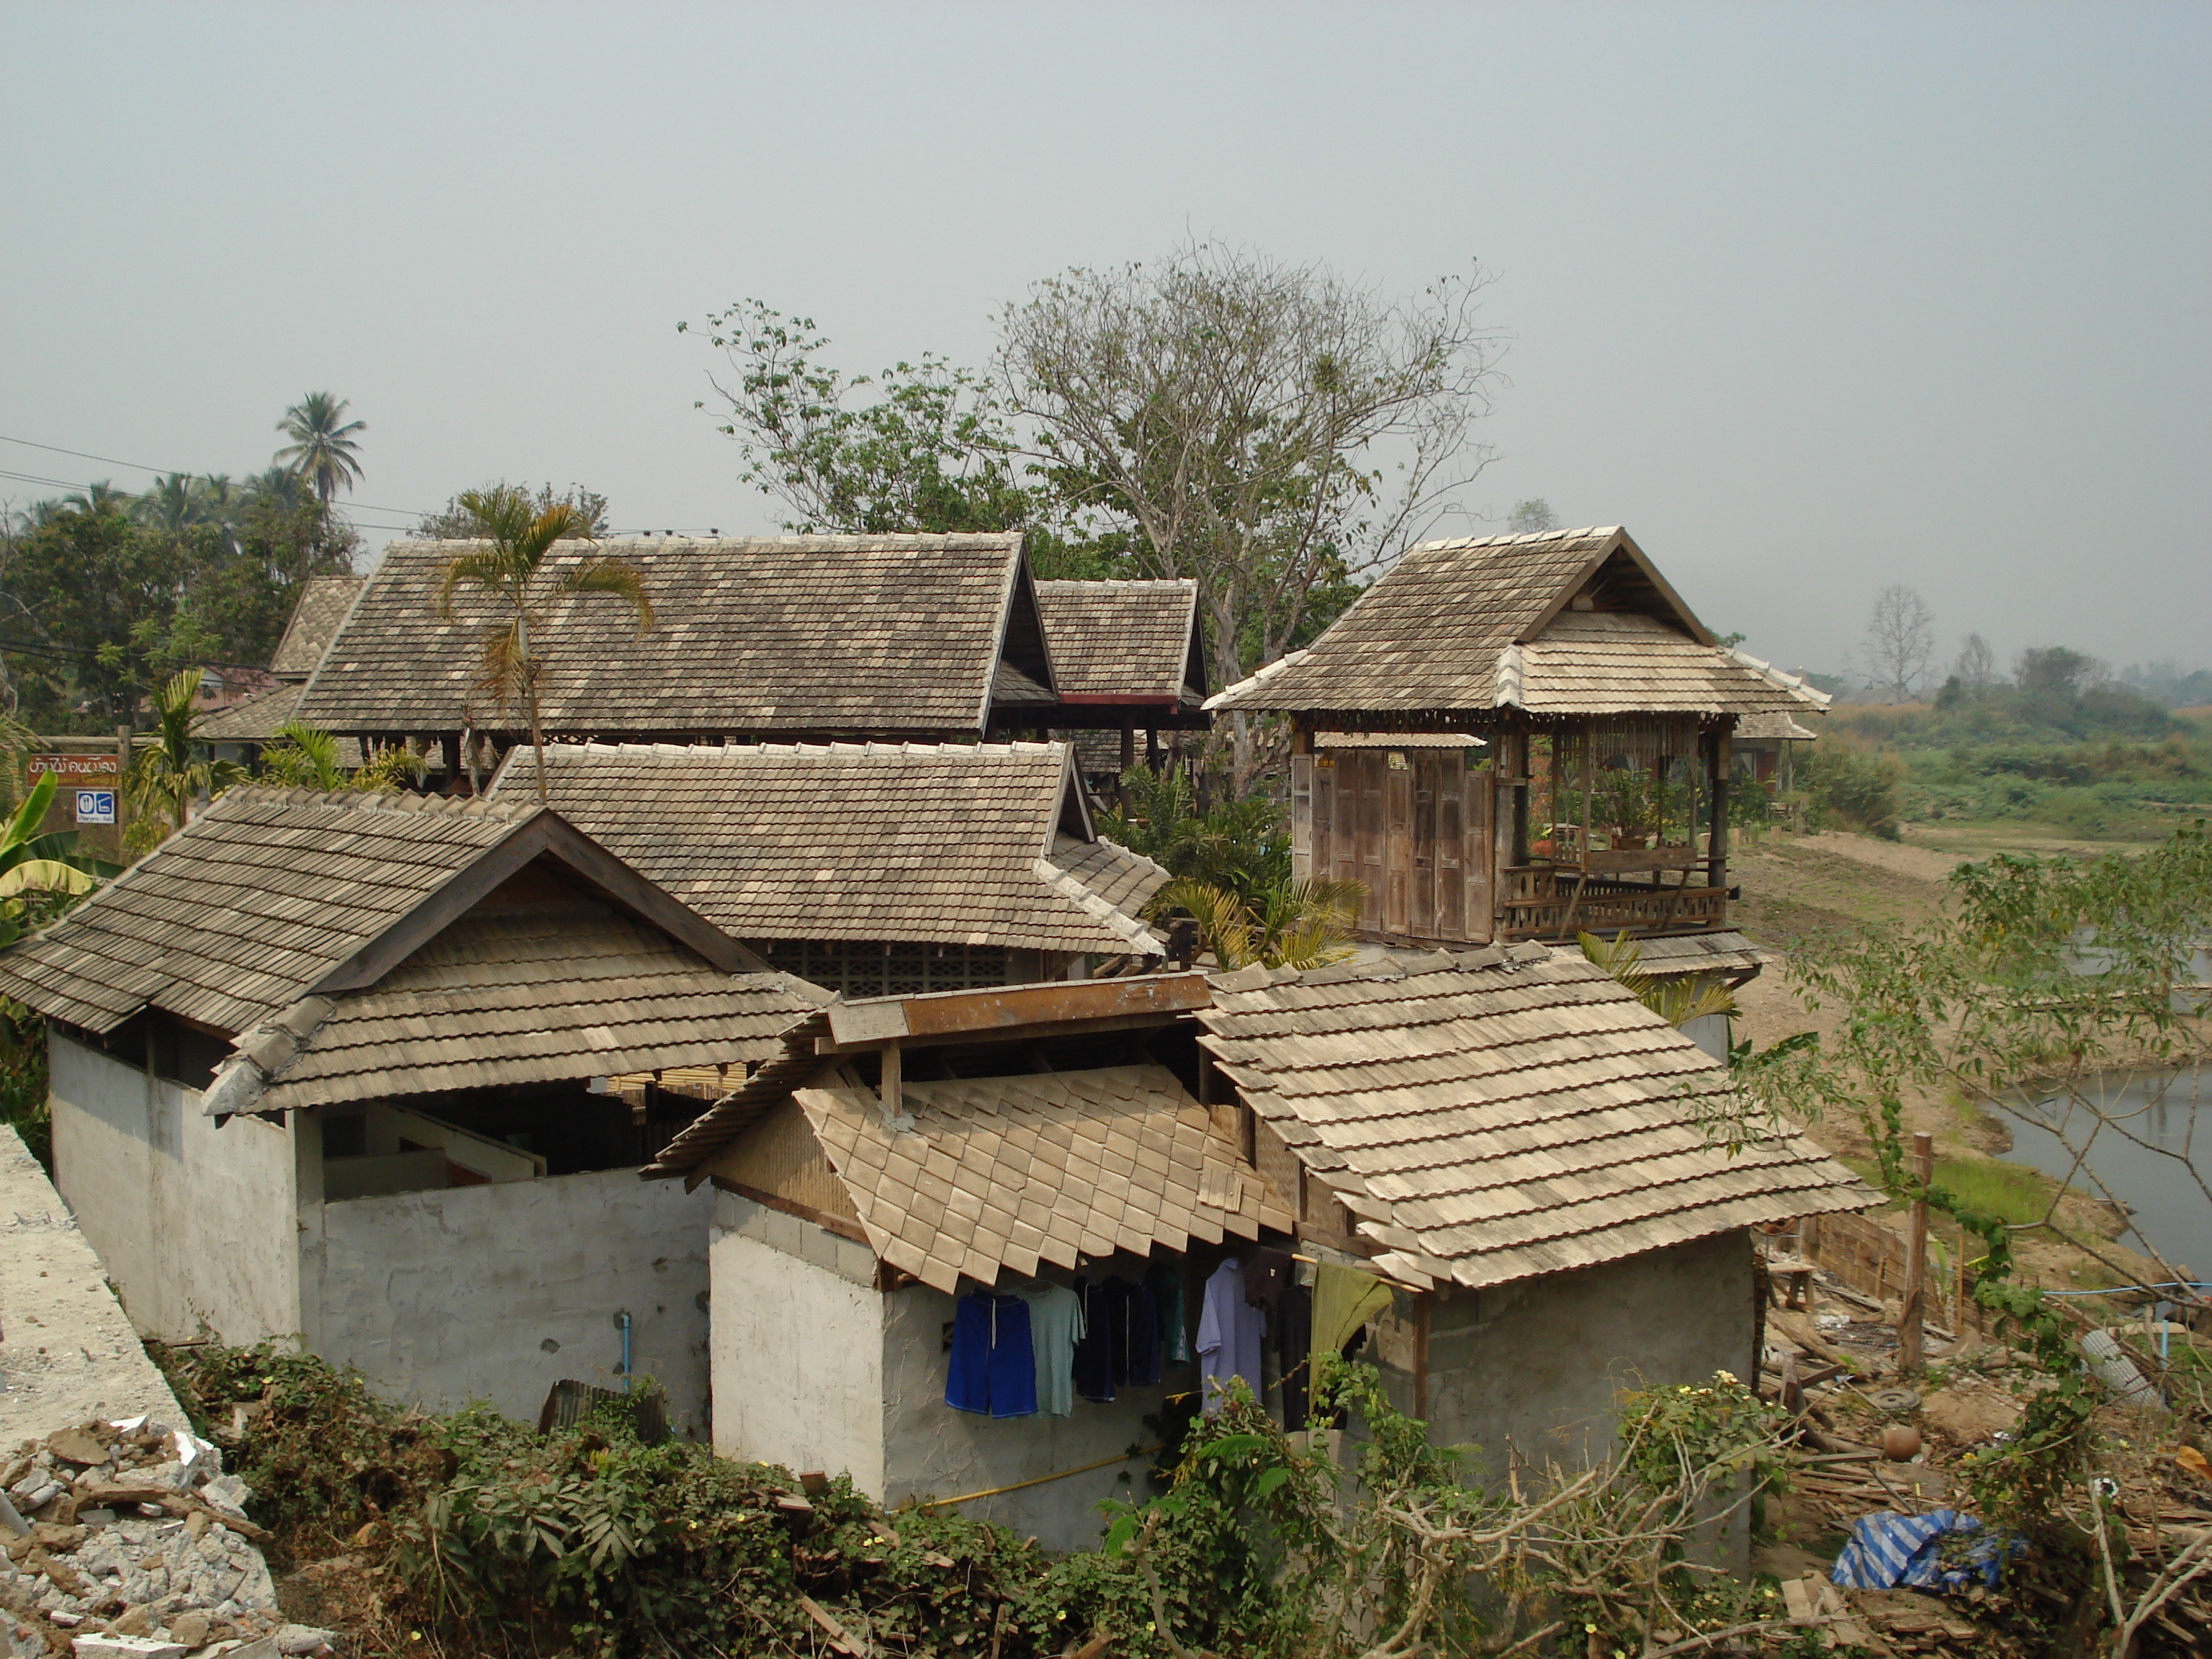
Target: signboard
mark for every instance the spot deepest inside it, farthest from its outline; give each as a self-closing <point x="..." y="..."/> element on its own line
<point x="95" y="806"/>
<point x="69" y="768"/>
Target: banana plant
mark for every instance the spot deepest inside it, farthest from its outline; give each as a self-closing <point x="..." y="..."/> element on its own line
<point x="32" y="865"/>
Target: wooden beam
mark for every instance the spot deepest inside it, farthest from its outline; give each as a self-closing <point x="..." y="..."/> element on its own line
<point x="1041" y="1032"/>
<point x="841" y="1226"/>
<point x="892" y="1088"/>
<point x="997" y="1010"/>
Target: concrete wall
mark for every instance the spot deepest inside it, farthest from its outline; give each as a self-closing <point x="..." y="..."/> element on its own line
<point x="1540" y="1363"/>
<point x="497" y="1292"/>
<point x="797" y="1344"/>
<point x="194" y="1222"/>
<point x="934" y="1451"/>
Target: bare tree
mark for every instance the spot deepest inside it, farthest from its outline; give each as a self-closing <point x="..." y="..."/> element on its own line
<point x="1270" y="430"/>
<point x="1900" y="639"/>
<point x="1977" y="666"/>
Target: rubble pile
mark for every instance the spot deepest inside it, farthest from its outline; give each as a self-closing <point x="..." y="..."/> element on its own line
<point x="127" y="1538"/>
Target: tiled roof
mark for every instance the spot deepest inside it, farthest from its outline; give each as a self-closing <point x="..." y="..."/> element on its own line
<point x="1497" y="1115"/>
<point x="1773" y="726"/>
<point x="1480" y="623"/>
<point x="321" y="606"/>
<point x="791" y="634"/>
<point x="999" y="1174"/>
<point x="1131" y="638"/>
<point x="1700" y="953"/>
<point x="246" y="908"/>
<point x="951" y="843"/>
<point x="1124" y="879"/>
<point x="257" y="718"/>
<point x="530" y="996"/>
<point x="1605" y="662"/>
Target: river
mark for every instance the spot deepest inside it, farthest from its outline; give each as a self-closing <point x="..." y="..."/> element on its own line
<point x="2156" y="1109"/>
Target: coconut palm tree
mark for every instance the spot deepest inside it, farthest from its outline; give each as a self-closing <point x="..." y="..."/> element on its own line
<point x="517" y="535"/>
<point x="168" y="777"/>
<point x="323" y="450"/>
<point x="173" y="503"/>
<point x="279" y="486"/>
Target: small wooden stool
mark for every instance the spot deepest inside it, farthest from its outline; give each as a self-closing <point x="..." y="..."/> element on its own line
<point x="1793" y="1276"/>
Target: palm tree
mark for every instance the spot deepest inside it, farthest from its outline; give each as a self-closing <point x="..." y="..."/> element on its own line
<point x="323" y="450"/>
<point x="1293" y="924"/>
<point x="520" y="536"/>
<point x="279" y="486"/>
<point x="168" y="777"/>
<point x="1677" y="1001"/>
<point x="307" y="756"/>
<point x="171" y="504"/>
<point x="98" y="497"/>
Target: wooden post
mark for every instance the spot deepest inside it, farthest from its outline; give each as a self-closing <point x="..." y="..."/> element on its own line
<point x="122" y="789"/>
<point x="1422" y="1301"/>
<point x="891" y="1085"/>
<point x="449" y="743"/>
<point x="1915" y="1261"/>
<point x="1716" y="812"/>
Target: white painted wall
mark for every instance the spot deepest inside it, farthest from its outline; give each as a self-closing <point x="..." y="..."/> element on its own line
<point x="497" y="1292"/>
<point x="798" y="1345"/>
<point x="194" y="1222"/>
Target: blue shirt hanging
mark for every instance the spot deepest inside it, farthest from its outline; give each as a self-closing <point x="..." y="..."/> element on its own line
<point x="992" y="1371"/>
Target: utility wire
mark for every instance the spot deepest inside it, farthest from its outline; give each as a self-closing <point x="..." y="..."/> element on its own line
<point x="158" y="472"/>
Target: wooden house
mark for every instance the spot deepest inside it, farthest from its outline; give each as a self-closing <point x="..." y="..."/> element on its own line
<point x="869" y="868"/>
<point x="1128" y="657"/>
<point x="1519" y="737"/>
<point x="239" y="732"/>
<point x="335" y="1068"/>
<point x="1490" y="1165"/>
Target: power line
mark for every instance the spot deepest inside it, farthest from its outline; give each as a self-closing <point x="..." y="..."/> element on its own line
<point x="158" y="472"/>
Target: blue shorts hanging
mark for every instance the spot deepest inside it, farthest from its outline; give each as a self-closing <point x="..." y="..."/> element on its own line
<point x="992" y="1371"/>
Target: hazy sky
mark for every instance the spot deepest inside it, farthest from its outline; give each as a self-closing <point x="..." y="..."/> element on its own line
<point x="1811" y="297"/>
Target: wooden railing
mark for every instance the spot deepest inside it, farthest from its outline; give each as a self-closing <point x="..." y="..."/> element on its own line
<point x="1607" y="907"/>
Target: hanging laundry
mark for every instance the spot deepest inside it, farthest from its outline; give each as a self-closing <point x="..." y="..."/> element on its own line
<point x="1265" y="1273"/>
<point x="1056" y="1322"/>
<point x="1164" y="1281"/>
<point x="1229" y="1330"/>
<point x="1293" y="1333"/>
<point x="1093" y="1364"/>
<point x="1344" y="1299"/>
<point x="1137" y="1333"/>
<point x="992" y="1370"/>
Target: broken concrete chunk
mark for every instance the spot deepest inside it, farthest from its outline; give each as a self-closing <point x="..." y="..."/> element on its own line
<point x="128" y="1647"/>
<point x="303" y="1639"/>
<point x="78" y="1446"/>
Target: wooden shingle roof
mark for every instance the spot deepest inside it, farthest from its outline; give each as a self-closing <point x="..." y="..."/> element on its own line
<point x="316" y="614"/>
<point x="789" y="634"/>
<point x="1497" y="1115"/>
<point x="971" y="844"/>
<point x="998" y="1174"/>
<point x="270" y="895"/>
<point x="1473" y="625"/>
<point x="535" y="994"/>
<point x="1124" y="638"/>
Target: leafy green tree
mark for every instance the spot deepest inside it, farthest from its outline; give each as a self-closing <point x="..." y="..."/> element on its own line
<point x="325" y="448"/>
<point x="1532" y="517"/>
<point x="176" y="770"/>
<point x="931" y="451"/>
<point x="520" y="535"/>
<point x="455" y="523"/>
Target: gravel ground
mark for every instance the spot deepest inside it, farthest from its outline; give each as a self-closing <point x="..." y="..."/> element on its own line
<point x="67" y="1350"/>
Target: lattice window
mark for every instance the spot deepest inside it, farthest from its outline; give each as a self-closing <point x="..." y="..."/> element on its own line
<point x="898" y="969"/>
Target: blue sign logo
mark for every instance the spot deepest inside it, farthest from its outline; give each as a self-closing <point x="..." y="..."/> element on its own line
<point x="95" y="806"/>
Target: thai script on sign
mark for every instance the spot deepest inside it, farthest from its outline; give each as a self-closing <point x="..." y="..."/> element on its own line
<point x="69" y="768"/>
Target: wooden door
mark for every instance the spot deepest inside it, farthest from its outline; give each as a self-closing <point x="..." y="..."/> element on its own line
<point x="1480" y="864"/>
<point x="1398" y="840"/>
<point x="1448" y="781"/>
<point x="1421" y="883"/>
<point x="1374" y="834"/>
